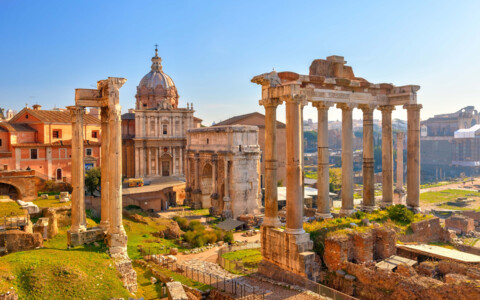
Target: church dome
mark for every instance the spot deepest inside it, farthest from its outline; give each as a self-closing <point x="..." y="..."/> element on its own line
<point x="156" y="87"/>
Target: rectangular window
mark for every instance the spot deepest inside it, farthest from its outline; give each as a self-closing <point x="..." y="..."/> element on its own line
<point x="57" y="133"/>
<point x="62" y="153"/>
<point x="88" y="151"/>
<point x="95" y="134"/>
<point x="0" y="142"/>
<point x="165" y="131"/>
<point x="33" y="154"/>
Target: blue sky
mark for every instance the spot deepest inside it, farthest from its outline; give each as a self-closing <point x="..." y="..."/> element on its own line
<point x="212" y="49"/>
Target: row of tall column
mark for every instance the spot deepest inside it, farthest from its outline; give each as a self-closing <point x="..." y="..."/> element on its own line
<point x="294" y="139"/>
<point x="111" y="171"/>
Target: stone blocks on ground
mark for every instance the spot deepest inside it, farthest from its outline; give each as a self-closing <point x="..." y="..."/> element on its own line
<point x="460" y="224"/>
<point x="17" y="240"/>
<point x="426" y="231"/>
<point x="86" y="237"/>
<point x="127" y="274"/>
<point x="175" y="291"/>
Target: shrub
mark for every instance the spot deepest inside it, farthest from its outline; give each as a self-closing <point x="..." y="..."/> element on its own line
<point x="182" y="223"/>
<point x="228" y="238"/>
<point x="210" y="237"/>
<point x="359" y="215"/>
<point x="400" y="214"/>
<point x="195" y="226"/>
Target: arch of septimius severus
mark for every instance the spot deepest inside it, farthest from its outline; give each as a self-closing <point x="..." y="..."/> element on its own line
<point x="329" y="83"/>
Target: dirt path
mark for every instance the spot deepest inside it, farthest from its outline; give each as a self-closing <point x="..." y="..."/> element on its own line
<point x="453" y="185"/>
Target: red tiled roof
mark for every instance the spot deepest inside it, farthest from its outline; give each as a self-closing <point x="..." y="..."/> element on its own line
<point x="15" y="127"/>
<point x="55" y="116"/>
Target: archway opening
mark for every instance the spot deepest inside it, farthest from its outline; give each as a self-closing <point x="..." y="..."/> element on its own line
<point x="9" y="190"/>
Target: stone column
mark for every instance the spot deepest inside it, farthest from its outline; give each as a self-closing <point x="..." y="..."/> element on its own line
<point x="181" y="161"/>
<point x="347" y="158"/>
<point x="294" y="165"/>
<point x="214" y="196"/>
<point x="197" y="171"/>
<point x="137" y="162"/>
<point x="413" y="155"/>
<point x="323" y="181"/>
<point x="149" y="161"/>
<point x="117" y="239"/>
<point x="79" y="223"/>
<point x="271" y="197"/>
<point x="400" y="138"/>
<point x="387" y="155"/>
<point x="174" y="161"/>
<point x="368" y="159"/>
<point x="105" y="169"/>
<point x="142" y="160"/>
<point x="227" y="208"/>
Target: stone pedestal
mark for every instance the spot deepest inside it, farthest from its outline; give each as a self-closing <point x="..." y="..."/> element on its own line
<point x="287" y="252"/>
<point x="91" y="235"/>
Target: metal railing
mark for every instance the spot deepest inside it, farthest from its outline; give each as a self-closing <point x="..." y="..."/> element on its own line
<point x="221" y="283"/>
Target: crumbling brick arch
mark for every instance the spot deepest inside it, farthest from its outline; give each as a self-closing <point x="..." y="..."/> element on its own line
<point x="12" y="190"/>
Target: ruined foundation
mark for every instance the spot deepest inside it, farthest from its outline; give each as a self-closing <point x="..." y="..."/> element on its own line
<point x="289" y="253"/>
<point x="91" y="235"/>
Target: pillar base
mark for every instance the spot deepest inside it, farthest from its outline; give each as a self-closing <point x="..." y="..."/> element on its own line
<point x="369" y="208"/>
<point x="415" y="209"/>
<point x="271" y="222"/>
<point x="294" y="231"/>
<point x="323" y="216"/>
<point x="344" y="212"/>
<point x="385" y="204"/>
<point x="78" y="229"/>
<point x="104" y="225"/>
<point x="117" y="244"/>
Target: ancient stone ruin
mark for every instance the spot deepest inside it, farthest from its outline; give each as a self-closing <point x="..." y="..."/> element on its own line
<point x="330" y="82"/>
<point x="106" y="97"/>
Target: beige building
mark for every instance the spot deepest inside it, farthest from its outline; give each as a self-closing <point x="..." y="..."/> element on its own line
<point x="258" y="119"/>
<point x="223" y="170"/>
<point x="154" y="135"/>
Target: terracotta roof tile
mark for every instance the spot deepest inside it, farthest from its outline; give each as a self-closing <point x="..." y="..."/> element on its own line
<point x="237" y="120"/>
<point x="58" y="116"/>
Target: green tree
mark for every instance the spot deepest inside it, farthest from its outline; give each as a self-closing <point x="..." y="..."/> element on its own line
<point x="92" y="180"/>
<point x="335" y="175"/>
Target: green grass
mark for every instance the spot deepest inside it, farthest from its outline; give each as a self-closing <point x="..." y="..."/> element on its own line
<point x="50" y="202"/>
<point x="183" y="279"/>
<point x="146" y="289"/>
<point x="141" y="234"/>
<point x="54" y="272"/>
<point x="9" y="208"/>
<point x="430" y="185"/>
<point x="250" y="255"/>
<point x="450" y="195"/>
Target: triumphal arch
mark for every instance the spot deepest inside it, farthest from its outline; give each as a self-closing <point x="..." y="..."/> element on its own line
<point x="106" y="97"/>
<point x="330" y="83"/>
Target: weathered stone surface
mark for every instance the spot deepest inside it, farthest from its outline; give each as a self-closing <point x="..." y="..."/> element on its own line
<point x="455" y="278"/>
<point x="86" y="237"/>
<point x="175" y="291"/>
<point x="337" y="250"/>
<point x="405" y="270"/>
<point x="428" y="268"/>
<point x="18" y="240"/>
<point x="460" y="224"/>
<point x="385" y="241"/>
<point x="127" y="274"/>
<point x="363" y="247"/>
<point x="52" y="228"/>
<point x="426" y="231"/>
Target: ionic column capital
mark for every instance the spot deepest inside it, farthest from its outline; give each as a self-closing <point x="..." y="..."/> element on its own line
<point x="367" y="108"/>
<point x="413" y="106"/>
<point x="270" y="102"/>
<point x="346" y="106"/>
<point x="321" y="105"/>
<point x="386" y="108"/>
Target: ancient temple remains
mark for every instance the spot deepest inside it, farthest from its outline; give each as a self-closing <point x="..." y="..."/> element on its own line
<point x="105" y="97"/>
<point x="223" y="170"/>
<point x="330" y="82"/>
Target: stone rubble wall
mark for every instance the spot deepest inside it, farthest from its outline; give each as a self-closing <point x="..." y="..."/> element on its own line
<point x="127" y="274"/>
<point x="370" y="283"/>
<point x="426" y="231"/>
<point x="460" y="224"/>
<point x="18" y="240"/>
<point x="359" y="247"/>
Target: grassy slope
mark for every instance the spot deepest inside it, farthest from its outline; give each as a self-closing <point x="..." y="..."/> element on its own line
<point x="9" y="208"/>
<point x="55" y="272"/>
<point x="50" y="202"/>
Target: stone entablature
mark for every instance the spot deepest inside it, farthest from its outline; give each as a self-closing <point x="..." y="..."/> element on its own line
<point x="223" y="169"/>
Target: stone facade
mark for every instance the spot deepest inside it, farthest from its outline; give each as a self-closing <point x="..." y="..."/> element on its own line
<point x="154" y="134"/>
<point x="223" y="170"/>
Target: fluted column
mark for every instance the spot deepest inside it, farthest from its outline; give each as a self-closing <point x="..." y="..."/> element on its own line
<point x="79" y="223"/>
<point x="387" y="154"/>
<point x="347" y="159"/>
<point x="105" y="209"/>
<point x="413" y="155"/>
<point x="137" y="162"/>
<point x="271" y="197"/>
<point x="368" y="159"/>
<point x="294" y="165"/>
<point x="323" y="181"/>
<point x="197" y="171"/>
